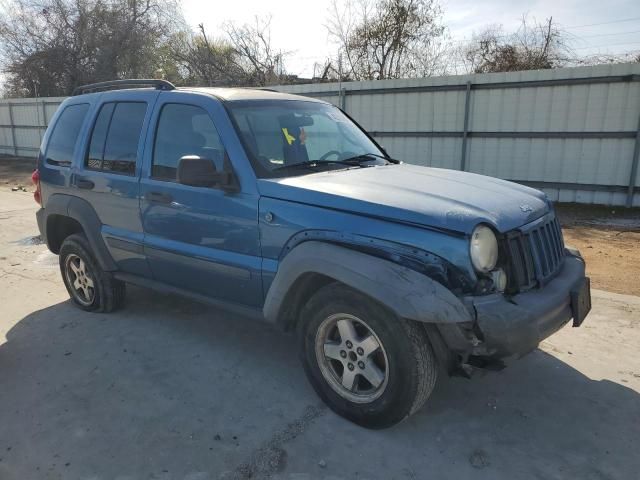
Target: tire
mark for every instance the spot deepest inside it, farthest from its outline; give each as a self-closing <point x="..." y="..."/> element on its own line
<point x="90" y="288"/>
<point x="404" y="357"/>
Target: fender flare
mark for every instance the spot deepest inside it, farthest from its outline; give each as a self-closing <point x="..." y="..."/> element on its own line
<point x="407" y="293"/>
<point x="81" y="211"/>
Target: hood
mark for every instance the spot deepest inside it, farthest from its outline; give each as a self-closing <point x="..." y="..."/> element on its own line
<point x="431" y="197"/>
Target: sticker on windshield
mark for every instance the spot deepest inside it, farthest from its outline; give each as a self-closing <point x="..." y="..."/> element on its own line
<point x="288" y="137"/>
<point x="291" y="138"/>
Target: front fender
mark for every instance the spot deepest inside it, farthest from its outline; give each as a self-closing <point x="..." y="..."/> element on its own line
<point x="407" y="293"/>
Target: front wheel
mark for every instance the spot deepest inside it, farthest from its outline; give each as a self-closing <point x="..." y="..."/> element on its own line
<point x="366" y="364"/>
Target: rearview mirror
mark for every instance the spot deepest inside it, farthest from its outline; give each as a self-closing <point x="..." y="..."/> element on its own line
<point x="291" y="120"/>
<point x="201" y="172"/>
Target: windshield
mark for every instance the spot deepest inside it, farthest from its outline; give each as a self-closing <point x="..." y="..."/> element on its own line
<point x="280" y="134"/>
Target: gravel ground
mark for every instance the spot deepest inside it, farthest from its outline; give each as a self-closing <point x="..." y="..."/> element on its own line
<point x="169" y="389"/>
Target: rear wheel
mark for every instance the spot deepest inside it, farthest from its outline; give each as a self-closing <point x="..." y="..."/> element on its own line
<point x="368" y="365"/>
<point x="90" y="287"/>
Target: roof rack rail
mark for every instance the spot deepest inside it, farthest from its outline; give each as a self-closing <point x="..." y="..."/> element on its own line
<point x="116" y="84"/>
<point x="264" y="89"/>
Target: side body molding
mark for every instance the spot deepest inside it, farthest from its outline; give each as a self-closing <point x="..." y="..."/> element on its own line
<point x="407" y="293"/>
<point x="81" y="211"/>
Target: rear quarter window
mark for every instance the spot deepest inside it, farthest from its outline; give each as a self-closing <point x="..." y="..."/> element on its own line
<point x="65" y="134"/>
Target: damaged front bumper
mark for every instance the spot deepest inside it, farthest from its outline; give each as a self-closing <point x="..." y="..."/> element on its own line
<point x="513" y="326"/>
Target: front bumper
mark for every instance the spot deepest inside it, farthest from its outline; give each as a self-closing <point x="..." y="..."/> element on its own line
<point x="506" y="326"/>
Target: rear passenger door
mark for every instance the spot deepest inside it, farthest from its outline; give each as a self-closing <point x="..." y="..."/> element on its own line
<point x="199" y="239"/>
<point x="110" y="173"/>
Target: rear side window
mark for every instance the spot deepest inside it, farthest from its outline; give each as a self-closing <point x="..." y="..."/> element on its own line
<point x="65" y="134"/>
<point x="115" y="137"/>
<point x="184" y="130"/>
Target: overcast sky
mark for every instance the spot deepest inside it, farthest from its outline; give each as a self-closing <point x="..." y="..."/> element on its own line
<point x="595" y="26"/>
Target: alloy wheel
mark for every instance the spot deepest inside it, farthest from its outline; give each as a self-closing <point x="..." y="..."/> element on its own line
<point x="351" y="358"/>
<point x="80" y="279"/>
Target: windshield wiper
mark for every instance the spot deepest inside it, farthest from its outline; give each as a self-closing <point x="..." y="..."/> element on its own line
<point x="315" y="163"/>
<point x="355" y="161"/>
<point x="366" y="157"/>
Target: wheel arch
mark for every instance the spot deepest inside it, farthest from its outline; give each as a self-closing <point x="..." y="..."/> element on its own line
<point x="66" y="215"/>
<point x="59" y="227"/>
<point x="312" y="264"/>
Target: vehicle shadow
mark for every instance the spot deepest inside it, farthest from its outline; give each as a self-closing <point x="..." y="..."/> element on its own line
<point x="168" y="388"/>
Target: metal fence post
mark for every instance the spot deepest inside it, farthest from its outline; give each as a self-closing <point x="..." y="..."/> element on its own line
<point x="634" y="168"/>
<point x="343" y="99"/>
<point x="41" y="124"/>
<point x="465" y="131"/>
<point x="13" y="130"/>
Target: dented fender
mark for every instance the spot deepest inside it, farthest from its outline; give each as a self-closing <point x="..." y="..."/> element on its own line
<point x="407" y="293"/>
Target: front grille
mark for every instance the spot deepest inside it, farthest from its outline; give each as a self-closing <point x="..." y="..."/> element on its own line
<point x="535" y="253"/>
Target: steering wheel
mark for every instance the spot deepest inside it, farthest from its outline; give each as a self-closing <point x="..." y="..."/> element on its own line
<point x="329" y="153"/>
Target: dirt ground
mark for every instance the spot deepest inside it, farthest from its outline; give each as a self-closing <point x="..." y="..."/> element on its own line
<point x="16" y="171"/>
<point x="169" y="389"/>
<point x="608" y="238"/>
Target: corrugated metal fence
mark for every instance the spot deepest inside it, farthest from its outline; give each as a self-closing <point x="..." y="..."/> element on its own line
<point x="23" y="122"/>
<point x="574" y="133"/>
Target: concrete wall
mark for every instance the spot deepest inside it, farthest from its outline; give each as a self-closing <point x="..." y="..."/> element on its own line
<point x="571" y="132"/>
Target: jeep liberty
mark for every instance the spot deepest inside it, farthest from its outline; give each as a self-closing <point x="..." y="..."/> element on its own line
<point x="283" y="208"/>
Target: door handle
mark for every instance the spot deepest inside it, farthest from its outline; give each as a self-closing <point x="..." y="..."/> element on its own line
<point x="85" y="184"/>
<point x="158" y="197"/>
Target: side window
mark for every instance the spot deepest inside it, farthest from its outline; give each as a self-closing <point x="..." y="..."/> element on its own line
<point x="184" y="130"/>
<point x="99" y="137"/>
<point x="115" y="137"/>
<point x="65" y="134"/>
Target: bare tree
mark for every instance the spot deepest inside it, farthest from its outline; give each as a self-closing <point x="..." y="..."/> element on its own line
<point x="605" y="58"/>
<point x="261" y="62"/>
<point x="206" y="61"/>
<point x="381" y="39"/>
<point x="533" y="46"/>
<point x="245" y="56"/>
<point x="327" y="71"/>
<point x="51" y="46"/>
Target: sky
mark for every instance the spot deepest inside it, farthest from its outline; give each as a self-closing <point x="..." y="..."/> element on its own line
<point x="593" y="26"/>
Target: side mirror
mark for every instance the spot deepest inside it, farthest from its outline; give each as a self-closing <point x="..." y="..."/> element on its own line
<point x="201" y="172"/>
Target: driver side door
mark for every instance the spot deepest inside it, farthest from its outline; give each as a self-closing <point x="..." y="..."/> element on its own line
<point x="200" y="239"/>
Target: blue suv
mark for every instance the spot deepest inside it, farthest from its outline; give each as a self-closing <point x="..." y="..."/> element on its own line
<point x="283" y="208"/>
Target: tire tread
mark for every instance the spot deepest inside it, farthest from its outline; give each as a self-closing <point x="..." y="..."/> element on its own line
<point x="420" y="359"/>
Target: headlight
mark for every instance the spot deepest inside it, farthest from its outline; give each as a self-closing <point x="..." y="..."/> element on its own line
<point x="483" y="249"/>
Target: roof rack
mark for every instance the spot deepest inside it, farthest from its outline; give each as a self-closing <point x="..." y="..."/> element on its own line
<point x="264" y="89"/>
<point x="117" y="84"/>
